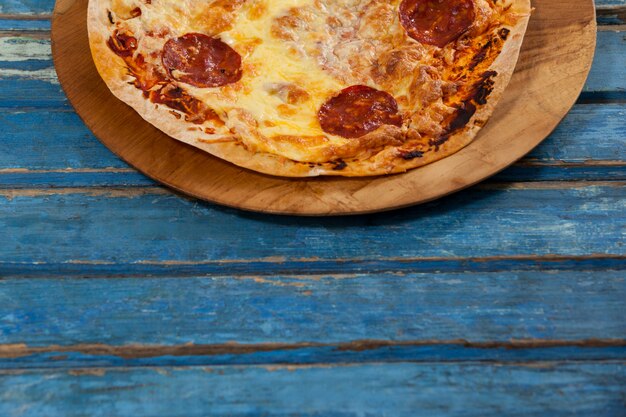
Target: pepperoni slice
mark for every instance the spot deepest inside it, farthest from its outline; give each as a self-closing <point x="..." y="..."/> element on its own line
<point x="358" y="110"/>
<point x="201" y="61"/>
<point x="436" y="22"/>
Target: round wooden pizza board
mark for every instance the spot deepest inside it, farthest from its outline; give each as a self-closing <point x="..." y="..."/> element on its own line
<point x="553" y="66"/>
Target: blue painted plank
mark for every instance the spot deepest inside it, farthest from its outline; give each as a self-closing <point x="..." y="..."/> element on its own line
<point x="558" y="172"/>
<point x="608" y="70"/>
<point x="26" y="6"/>
<point x="611" y="12"/>
<point x="611" y="16"/>
<point x="588" y="132"/>
<point x="26" y="64"/>
<point x="327" y="309"/>
<point x="27" y="94"/>
<point x="52" y="140"/>
<point x="13" y="24"/>
<point x="10" y="179"/>
<point x="545" y="389"/>
<point x="29" y="46"/>
<point x="143" y="228"/>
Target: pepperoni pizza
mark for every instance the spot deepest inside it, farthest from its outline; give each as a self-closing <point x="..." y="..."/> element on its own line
<point x="311" y="87"/>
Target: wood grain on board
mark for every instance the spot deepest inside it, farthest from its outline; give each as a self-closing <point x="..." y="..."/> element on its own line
<point x="554" y="63"/>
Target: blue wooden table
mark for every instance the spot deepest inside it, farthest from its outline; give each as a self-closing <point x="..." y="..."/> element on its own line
<point x="120" y="298"/>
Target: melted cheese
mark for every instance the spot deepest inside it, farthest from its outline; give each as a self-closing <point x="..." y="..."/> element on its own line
<point x="322" y="47"/>
<point x="270" y="66"/>
<point x="123" y="8"/>
<point x="273" y="63"/>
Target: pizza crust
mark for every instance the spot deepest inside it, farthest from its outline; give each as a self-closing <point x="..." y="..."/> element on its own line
<point x="389" y="160"/>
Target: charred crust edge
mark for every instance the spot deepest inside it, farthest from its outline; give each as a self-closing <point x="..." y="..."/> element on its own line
<point x="339" y="165"/>
<point x="412" y="155"/>
<point x="481" y="55"/>
<point x="465" y="110"/>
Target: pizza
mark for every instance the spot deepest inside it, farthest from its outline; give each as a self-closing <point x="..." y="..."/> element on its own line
<point x="303" y="88"/>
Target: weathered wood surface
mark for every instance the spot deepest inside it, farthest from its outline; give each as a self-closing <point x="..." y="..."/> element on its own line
<point x="496" y="306"/>
<point x="544" y="299"/>
<point x="510" y="316"/>
<point x="150" y="230"/>
<point x="606" y="80"/>
<point x="27" y="7"/>
<point x="404" y="389"/>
